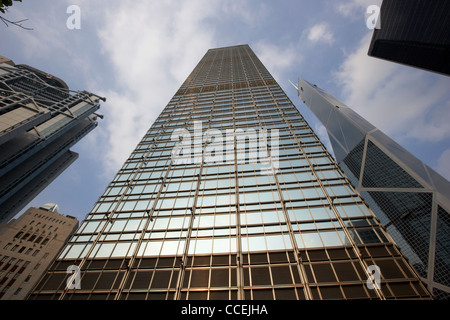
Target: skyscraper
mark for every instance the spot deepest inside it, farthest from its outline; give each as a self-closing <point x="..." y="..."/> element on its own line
<point x="27" y="247"/>
<point x="409" y="198"/>
<point x="414" y="33"/>
<point x="40" y="119"/>
<point x="230" y="195"/>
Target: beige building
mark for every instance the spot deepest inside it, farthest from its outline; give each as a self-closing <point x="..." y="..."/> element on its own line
<point x="27" y="247"/>
<point x="6" y="60"/>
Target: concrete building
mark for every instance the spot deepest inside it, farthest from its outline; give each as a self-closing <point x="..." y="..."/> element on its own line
<point x="28" y="245"/>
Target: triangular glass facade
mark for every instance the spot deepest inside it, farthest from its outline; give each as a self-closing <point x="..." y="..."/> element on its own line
<point x="230" y="195"/>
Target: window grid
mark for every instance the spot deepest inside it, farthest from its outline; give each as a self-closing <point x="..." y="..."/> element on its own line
<point x="222" y="230"/>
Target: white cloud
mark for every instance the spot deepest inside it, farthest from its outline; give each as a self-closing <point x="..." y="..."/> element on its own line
<point x="443" y="166"/>
<point x="252" y="14"/>
<point x="46" y="37"/>
<point x="403" y="102"/>
<point x="275" y="58"/>
<point x="321" y="32"/>
<point x="355" y="9"/>
<point x="153" y="46"/>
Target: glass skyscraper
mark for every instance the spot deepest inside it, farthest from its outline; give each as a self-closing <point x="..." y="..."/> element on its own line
<point x="411" y="200"/>
<point x="230" y="195"/>
<point x="414" y="33"/>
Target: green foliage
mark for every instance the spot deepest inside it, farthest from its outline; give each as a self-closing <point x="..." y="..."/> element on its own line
<point x="6" y="3"/>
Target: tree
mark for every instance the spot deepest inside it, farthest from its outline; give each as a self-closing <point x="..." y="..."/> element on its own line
<point x="4" y="4"/>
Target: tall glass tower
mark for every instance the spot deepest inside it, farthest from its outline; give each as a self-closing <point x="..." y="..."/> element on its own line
<point x="230" y="195"/>
<point x="410" y="199"/>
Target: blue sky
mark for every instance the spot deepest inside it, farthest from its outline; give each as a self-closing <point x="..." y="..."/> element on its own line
<point x="138" y="53"/>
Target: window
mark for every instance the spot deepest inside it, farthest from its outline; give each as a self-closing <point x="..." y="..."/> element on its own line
<point x="19" y="234"/>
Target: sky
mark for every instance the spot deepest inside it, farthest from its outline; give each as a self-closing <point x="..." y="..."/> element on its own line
<point x="138" y="53"/>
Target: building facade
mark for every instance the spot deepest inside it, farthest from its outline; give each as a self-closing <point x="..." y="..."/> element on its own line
<point x="414" y="33"/>
<point x="28" y="245"/>
<point x="410" y="199"/>
<point x="230" y="195"/>
<point x="40" y="119"/>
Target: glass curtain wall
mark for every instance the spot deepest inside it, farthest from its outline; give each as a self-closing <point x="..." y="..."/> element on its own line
<point x="253" y="207"/>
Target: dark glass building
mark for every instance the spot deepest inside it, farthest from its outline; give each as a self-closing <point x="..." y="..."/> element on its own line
<point x="410" y="199"/>
<point x="230" y="195"/>
<point x="414" y="33"/>
<point x="40" y="119"/>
